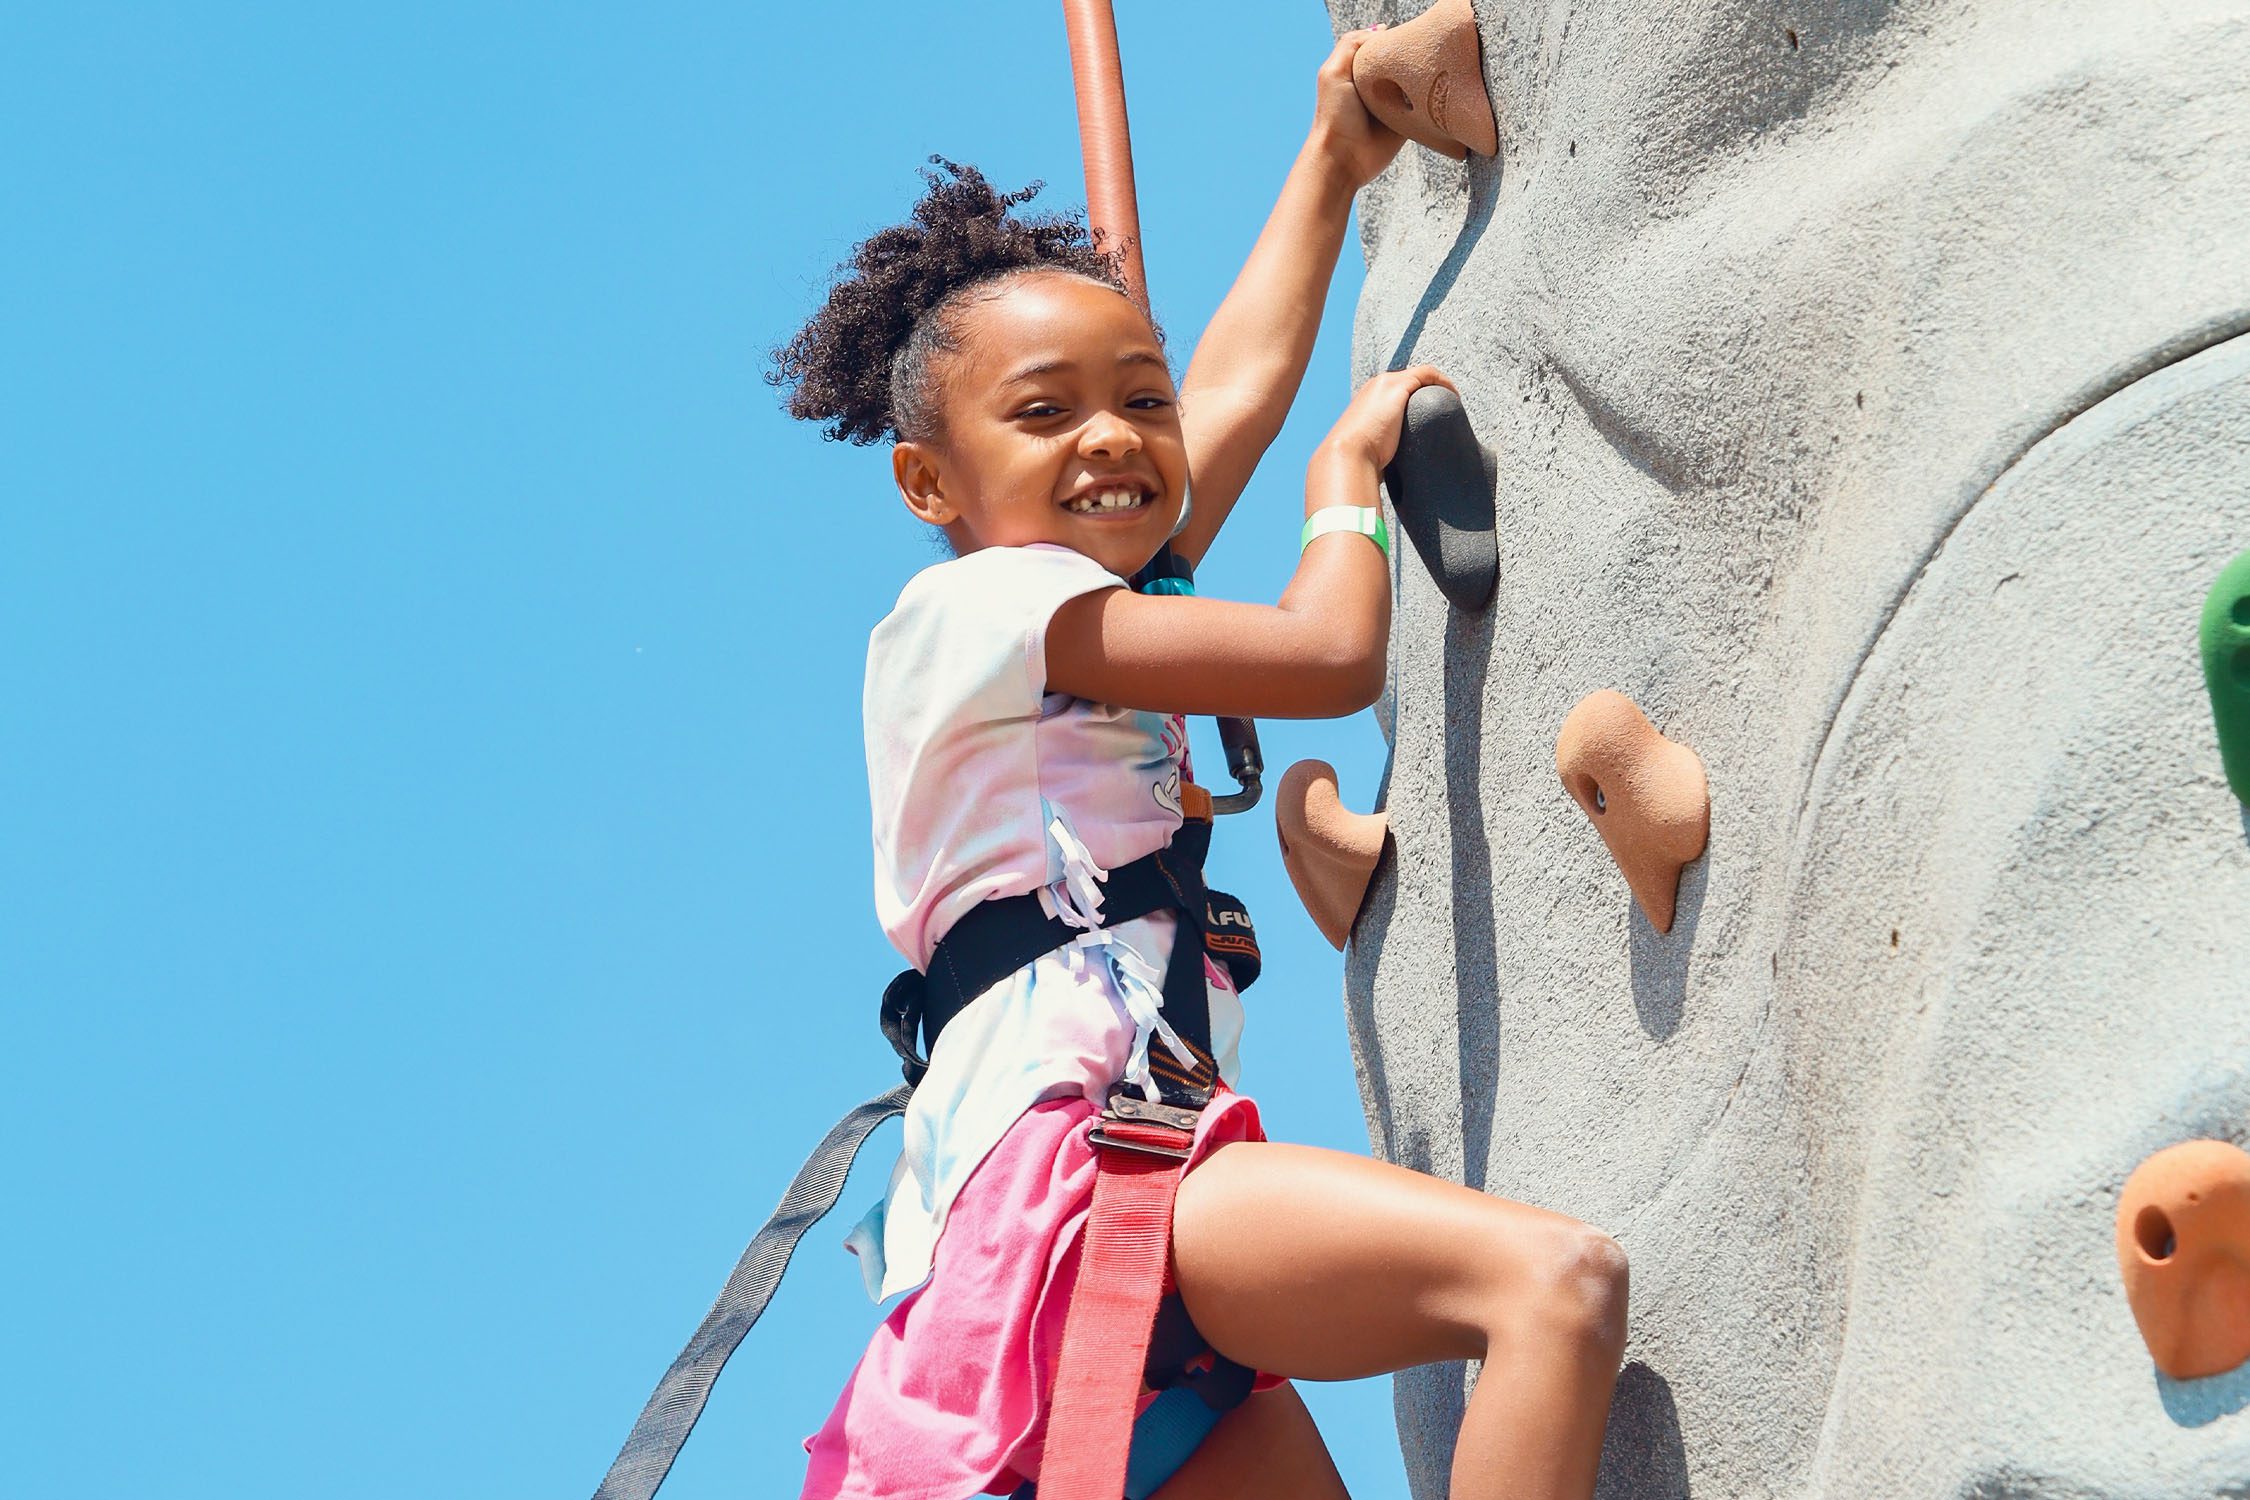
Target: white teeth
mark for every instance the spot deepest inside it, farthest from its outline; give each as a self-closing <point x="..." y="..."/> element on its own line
<point x="1104" y="500"/>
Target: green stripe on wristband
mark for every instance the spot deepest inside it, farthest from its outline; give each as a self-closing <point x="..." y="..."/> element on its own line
<point x="1365" y="520"/>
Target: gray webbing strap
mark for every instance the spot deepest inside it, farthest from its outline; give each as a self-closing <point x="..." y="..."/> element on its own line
<point x="672" y="1410"/>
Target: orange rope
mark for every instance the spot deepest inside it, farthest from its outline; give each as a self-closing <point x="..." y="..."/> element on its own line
<point x="1104" y="138"/>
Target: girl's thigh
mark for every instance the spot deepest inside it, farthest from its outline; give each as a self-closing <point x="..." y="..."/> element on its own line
<point x="1265" y="1449"/>
<point x="1326" y="1266"/>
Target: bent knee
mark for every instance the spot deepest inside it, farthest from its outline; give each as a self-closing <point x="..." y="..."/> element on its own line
<point x="1582" y="1285"/>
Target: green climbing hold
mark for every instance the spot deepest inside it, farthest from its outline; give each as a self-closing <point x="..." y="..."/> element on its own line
<point x="2226" y="668"/>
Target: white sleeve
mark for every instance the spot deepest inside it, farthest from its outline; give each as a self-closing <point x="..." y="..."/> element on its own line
<point x="969" y="637"/>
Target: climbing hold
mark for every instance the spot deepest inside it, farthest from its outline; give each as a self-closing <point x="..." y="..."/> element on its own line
<point x="1426" y="81"/>
<point x="2226" y="668"/>
<point x="2183" y="1244"/>
<point x="1646" y="795"/>
<point x="1328" y="850"/>
<point x="1444" y="485"/>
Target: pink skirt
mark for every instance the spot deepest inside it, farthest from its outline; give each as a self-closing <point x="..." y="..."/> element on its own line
<point x="950" y="1399"/>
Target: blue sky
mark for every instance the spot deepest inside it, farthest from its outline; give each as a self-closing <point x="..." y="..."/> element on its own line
<point x="436" y="889"/>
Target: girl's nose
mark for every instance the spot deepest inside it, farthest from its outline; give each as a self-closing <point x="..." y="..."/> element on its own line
<point x="1108" y="435"/>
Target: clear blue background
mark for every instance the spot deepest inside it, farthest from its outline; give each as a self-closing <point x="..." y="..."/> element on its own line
<point x="436" y="888"/>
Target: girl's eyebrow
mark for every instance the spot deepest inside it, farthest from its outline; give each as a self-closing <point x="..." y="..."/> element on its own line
<point x="1052" y="366"/>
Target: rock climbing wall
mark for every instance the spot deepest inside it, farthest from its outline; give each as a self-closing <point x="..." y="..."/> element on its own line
<point x="1870" y="384"/>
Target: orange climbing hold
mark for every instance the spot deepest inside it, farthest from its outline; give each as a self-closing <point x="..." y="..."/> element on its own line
<point x="2183" y="1244"/>
<point x="1426" y="81"/>
<point x="1646" y="795"/>
<point x="1328" y="850"/>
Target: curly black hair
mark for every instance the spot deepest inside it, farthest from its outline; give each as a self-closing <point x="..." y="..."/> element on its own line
<point x="862" y="366"/>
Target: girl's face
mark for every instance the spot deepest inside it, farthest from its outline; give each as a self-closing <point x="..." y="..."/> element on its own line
<point x="1060" y="425"/>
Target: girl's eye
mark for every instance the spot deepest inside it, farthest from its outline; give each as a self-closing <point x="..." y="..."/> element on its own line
<point x="1150" y="403"/>
<point x="1041" y="409"/>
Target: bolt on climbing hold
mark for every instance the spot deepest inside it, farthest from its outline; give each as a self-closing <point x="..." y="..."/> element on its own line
<point x="2183" y="1245"/>
<point x="1444" y="487"/>
<point x="2226" y="668"/>
<point x="1425" y="80"/>
<point x="1328" y="850"/>
<point x="1646" y="796"/>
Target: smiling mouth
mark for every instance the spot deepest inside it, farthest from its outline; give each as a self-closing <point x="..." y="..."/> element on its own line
<point x="1109" y="500"/>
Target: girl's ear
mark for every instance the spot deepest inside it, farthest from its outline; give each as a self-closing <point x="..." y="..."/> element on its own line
<point x="915" y="467"/>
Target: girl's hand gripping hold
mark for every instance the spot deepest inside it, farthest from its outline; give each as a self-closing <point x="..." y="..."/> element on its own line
<point x="1359" y="144"/>
<point x="1349" y="462"/>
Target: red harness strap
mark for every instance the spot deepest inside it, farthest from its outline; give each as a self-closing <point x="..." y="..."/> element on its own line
<point x="1121" y="1275"/>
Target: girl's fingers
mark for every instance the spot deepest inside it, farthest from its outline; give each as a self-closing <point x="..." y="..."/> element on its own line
<point x="1403" y="383"/>
<point x="1378" y="410"/>
<point x="1339" y="63"/>
<point x="1418" y="376"/>
<point x="1406" y="383"/>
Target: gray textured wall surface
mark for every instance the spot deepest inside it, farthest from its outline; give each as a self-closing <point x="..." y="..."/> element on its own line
<point x="1871" y="384"/>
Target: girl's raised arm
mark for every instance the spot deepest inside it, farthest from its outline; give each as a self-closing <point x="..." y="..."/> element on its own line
<point x="1247" y="366"/>
<point x="1318" y="653"/>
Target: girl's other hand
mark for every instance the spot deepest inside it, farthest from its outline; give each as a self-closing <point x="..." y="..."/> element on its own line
<point x="1366" y="435"/>
<point x="1359" y="144"/>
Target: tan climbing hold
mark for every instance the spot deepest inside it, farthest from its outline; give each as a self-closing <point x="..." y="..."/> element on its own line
<point x="1328" y="850"/>
<point x="1646" y="795"/>
<point x="2183" y="1244"/>
<point x="1426" y="81"/>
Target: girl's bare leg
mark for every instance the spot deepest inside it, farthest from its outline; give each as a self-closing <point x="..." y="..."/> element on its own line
<point x="1324" y="1266"/>
<point x="1265" y="1449"/>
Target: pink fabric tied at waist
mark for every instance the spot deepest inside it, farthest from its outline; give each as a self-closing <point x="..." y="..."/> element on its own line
<point x="950" y="1399"/>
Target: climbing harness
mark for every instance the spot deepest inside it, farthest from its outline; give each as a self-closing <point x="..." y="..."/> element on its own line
<point x="1141" y="1147"/>
<point x="1121" y="1327"/>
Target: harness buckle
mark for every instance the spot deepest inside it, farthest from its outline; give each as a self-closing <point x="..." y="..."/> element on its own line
<point x="1146" y="1126"/>
<point x="1129" y="1106"/>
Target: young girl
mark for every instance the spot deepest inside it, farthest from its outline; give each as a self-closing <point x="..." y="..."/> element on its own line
<point x="1024" y="736"/>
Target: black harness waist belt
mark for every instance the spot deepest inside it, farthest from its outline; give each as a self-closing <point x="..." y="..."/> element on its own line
<point x="995" y="938"/>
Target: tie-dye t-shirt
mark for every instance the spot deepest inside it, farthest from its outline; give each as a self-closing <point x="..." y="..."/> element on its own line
<point x="987" y="785"/>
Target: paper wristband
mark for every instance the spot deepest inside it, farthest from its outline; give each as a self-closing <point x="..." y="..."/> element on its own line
<point x="1366" y="520"/>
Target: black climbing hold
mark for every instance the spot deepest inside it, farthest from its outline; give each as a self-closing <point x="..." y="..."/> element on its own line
<point x="1443" y="486"/>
